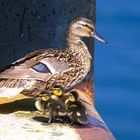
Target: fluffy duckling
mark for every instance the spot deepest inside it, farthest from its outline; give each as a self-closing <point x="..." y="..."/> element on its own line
<point x="52" y="105"/>
<point x="76" y="111"/>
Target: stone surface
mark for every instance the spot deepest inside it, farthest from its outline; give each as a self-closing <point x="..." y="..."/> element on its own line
<point x="17" y="121"/>
<point x="19" y="118"/>
<point x="24" y="128"/>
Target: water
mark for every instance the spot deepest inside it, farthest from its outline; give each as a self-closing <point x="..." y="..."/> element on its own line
<point x="117" y="67"/>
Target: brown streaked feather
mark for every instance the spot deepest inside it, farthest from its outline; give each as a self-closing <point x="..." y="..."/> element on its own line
<point x="20" y="74"/>
<point x="27" y="87"/>
<point x="22" y="60"/>
<point x="28" y="74"/>
<point x="29" y="56"/>
<point x="68" y="70"/>
<point x="21" y="69"/>
<point x="12" y="87"/>
<point x="50" y="67"/>
<point x="10" y="92"/>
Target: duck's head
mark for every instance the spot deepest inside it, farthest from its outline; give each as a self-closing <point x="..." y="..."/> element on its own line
<point x="83" y="27"/>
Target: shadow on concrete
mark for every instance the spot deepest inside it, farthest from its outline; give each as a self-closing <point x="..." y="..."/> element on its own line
<point x="19" y="105"/>
<point x="28" y="105"/>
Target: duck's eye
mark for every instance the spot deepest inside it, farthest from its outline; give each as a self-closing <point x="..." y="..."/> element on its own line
<point x="40" y="67"/>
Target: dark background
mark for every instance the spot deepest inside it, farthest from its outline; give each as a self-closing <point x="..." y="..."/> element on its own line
<point x="117" y="67"/>
<point x="27" y="25"/>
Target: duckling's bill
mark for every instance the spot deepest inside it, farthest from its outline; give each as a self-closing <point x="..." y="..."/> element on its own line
<point x="57" y="91"/>
<point x="45" y="98"/>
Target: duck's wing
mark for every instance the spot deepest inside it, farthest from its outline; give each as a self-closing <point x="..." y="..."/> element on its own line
<point x="38" y="65"/>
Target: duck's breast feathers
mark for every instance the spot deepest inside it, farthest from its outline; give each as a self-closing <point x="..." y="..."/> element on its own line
<point x="38" y="65"/>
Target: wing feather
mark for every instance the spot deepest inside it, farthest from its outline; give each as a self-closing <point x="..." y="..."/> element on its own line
<point x="9" y="92"/>
<point x="13" y="77"/>
<point x="22" y="68"/>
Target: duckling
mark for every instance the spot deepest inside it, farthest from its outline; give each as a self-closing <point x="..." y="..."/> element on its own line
<point x="52" y="105"/>
<point x="42" y="69"/>
<point x="76" y="111"/>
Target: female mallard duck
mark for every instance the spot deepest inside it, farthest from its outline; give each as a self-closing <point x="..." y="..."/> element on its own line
<point x="42" y="69"/>
<point x="75" y="110"/>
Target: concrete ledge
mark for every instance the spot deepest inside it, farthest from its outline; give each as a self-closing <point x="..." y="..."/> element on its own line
<point x="16" y="122"/>
<point x="24" y="128"/>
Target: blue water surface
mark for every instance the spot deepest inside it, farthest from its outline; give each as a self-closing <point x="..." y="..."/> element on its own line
<point x="117" y="67"/>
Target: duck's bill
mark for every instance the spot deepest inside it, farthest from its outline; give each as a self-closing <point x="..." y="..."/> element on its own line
<point x="99" y="38"/>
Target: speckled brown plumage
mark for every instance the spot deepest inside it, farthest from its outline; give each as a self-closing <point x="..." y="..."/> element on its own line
<point x="66" y="67"/>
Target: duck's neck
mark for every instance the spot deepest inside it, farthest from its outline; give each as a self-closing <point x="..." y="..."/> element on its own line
<point x="78" y="48"/>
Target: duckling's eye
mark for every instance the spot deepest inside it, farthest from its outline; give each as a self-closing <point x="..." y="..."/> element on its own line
<point x="40" y="67"/>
